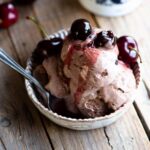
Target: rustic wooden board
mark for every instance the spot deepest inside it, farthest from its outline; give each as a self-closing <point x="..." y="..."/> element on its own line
<point x="136" y="24"/>
<point x="74" y="140"/>
<point x="24" y="34"/>
<point x="59" y="14"/>
<point x="128" y="134"/>
<point x="142" y="105"/>
<point x="20" y="125"/>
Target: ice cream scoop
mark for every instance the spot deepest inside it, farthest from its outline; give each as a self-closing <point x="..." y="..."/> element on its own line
<point x="97" y="80"/>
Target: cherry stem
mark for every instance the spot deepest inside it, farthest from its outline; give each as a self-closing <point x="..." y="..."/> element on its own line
<point x="140" y="57"/>
<point x="40" y="27"/>
<point x="131" y="48"/>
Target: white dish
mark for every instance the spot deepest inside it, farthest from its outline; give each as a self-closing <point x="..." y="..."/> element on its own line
<point x="110" y="8"/>
<point x="71" y="123"/>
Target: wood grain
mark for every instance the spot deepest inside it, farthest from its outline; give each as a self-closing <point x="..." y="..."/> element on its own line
<point x="59" y="14"/>
<point x="133" y="135"/>
<point x="136" y="24"/>
<point x="69" y="139"/>
<point x="20" y="125"/>
<point x="24" y="34"/>
<point x="142" y="105"/>
<point x="126" y="134"/>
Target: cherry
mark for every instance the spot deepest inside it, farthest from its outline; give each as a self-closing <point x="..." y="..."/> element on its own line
<point x="80" y="29"/>
<point x="53" y="46"/>
<point x="38" y="55"/>
<point x="8" y="15"/>
<point x="105" y="39"/>
<point x="128" y="49"/>
<point x="47" y="47"/>
<point x="54" y="42"/>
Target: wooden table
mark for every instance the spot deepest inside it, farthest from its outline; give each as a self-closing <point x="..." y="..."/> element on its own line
<point x="23" y="127"/>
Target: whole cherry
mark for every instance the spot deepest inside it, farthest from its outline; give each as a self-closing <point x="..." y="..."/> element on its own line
<point x="47" y="48"/>
<point x="53" y="46"/>
<point x="128" y="49"/>
<point x="105" y="39"/>
<point x="80" y="29"/>
<point x="8" y="15"/>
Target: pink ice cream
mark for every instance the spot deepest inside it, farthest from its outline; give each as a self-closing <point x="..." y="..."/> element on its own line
<point x="91" y="80"/>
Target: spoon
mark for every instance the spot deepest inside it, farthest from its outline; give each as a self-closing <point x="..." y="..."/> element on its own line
<point x="6" y="59"/>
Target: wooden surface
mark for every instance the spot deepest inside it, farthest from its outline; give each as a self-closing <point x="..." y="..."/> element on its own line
<point x="23" y="127"/>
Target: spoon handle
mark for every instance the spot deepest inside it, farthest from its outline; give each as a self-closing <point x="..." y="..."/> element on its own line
<point x="6" y="59"/>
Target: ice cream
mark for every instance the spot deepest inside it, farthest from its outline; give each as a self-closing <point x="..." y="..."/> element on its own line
<point x="89" y="77"/>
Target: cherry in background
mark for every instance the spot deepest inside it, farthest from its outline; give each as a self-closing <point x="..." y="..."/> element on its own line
<point x="8" y="15"/>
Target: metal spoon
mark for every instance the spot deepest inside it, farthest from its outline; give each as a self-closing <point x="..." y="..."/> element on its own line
<point x="6" y="59"/>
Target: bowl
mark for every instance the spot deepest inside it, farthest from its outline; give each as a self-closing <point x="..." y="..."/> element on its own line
<point x="110" y="8"/>
<point x="72" y="123"/>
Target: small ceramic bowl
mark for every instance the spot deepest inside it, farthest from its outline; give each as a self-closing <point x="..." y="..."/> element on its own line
<point x="110" y="8"/>
<point x="71" y="123"/>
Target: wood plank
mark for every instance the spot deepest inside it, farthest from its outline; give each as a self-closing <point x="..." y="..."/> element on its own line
<point x="54" y="16"/>
<point x="69" y="139"/>
<point x="127" y="133"/>
<point x="20" y="125"/>
<point x="24" y="35"/>
<point x="142" y="105"/>
<point x="59" y="14"/>
<point x="136" y="24"/>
